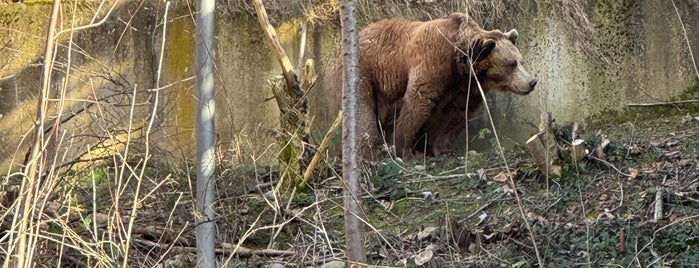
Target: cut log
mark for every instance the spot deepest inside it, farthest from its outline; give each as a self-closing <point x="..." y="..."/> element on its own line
<point x="658" y="215"/>
<point x="536" y="148"/>
<point x="542" y="159"/>
<point x="577" y="150"/>
<point x="544" y="148"/>
<point x="599" y="151"/>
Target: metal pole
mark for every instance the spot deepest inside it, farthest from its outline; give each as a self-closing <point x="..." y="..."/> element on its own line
<point x="204" y="214"/>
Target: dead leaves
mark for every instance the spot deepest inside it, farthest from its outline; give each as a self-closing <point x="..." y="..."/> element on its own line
<point x="506" y="179"/>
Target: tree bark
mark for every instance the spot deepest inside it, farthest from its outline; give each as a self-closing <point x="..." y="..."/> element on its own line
<point x="291" y="99"/>
<point x="35" y="162"/>
<point x="355" y="252"/>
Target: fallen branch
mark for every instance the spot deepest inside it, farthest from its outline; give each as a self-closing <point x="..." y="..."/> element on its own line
<point x="221" y="248"/>
<point x="321" y="148"/>
<point x="660" y="103"/>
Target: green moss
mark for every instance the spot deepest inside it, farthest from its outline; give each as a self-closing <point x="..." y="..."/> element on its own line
<point x="37" y="2"/>
<point x="403" y="206"/>
<point x="690" y="93"/>
<point x="644" y="113"/>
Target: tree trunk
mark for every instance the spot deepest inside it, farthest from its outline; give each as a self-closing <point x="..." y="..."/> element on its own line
<point x="291" y="99"/>
<point x="206" y="230"/>
<point x="356" y="253"/>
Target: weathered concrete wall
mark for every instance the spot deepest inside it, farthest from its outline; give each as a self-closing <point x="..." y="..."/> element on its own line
<point x="631" y="51"/>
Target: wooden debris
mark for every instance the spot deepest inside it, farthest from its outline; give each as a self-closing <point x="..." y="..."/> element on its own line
<point x="538" y="152"/>
<point x="544" y="148"/>
<point x="665" y="103"/>
<point x="426" y="255"/>
<point x="290" y="94"/>
<point x="599" y="151"/>
<point x="622" y="240"/>
<point x="658" y="204"/>
<point x="574" y="132"/>
<point x="577" y="152"/>
<point x="323" y="145"/>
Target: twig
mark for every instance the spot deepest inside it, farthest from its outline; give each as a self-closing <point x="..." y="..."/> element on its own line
<point x="587" y="226"/>
<point x="35" y="162"/>
<point x="610" y="165"/>
<point x="660" y="103"/>
<point x="154" y="112"/>
<point x="686" y="38"/>
<point x="622" y="240"/>
<point x="223" y="248"/>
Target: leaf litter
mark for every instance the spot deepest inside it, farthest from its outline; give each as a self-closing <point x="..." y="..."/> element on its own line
<point x="633" y="200"/>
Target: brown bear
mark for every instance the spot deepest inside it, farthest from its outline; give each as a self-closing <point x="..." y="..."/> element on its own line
<point x="417" y="79"/>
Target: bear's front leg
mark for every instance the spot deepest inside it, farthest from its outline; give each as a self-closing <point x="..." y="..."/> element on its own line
<point x="419" y="100"/>
<point x="446" y="123"/>
<point x="451" y="125"/>
<point x="368" y="134"/>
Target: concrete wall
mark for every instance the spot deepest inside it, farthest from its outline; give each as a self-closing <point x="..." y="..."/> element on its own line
<point x="627" y="51"/>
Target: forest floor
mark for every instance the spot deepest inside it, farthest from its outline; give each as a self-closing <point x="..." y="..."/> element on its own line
<point x="634" y="205"/>
<point x="639" y="206"/>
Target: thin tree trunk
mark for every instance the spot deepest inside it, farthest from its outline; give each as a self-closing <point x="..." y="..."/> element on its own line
<point x="355" y="252"/>
<point x="293" y="105"/>
<point x="206" y="231"/>
<point x="36" y="159"/>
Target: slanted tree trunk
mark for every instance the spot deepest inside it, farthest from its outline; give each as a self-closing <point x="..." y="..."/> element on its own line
<point x="290" y="96"/>
<point x="355" y="252"/>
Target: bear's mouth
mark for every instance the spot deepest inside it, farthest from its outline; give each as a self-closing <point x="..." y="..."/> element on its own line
<point x="523" y="92"/>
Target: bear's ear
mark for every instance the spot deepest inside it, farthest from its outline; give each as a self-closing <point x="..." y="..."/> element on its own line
<point x="487" y="46"/>
<point x="512" y="35"/>
<point x="481" y="48"/>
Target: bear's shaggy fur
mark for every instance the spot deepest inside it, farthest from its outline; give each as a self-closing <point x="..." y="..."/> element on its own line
<point x="416" y="80"/>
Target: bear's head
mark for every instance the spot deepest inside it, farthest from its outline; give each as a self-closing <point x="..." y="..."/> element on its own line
<point x="497" y="62"/>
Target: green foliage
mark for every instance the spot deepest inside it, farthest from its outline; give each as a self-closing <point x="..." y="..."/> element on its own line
<point x="385" y="179"/>
<point x="690" y="93"/>
<point x="483" y="133"/>
<point x="679" y="245"/>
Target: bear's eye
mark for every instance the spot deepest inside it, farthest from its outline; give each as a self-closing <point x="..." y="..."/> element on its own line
<point x="512" y="65"/>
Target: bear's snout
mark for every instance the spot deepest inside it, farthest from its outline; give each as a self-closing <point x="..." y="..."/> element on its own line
<point x="528" y="88"/>
<point x="525" y="87"/>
